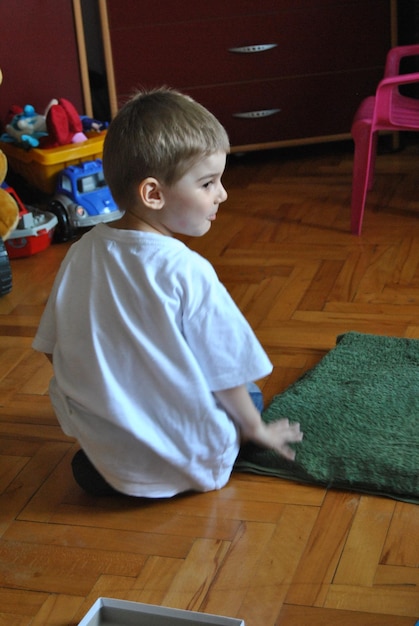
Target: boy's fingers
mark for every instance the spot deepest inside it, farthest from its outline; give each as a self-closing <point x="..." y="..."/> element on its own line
<point x="291" y="433"/>
<point x="291" y="430"/>
<point x="288" y="453"/>
<point x="297" y="433"/>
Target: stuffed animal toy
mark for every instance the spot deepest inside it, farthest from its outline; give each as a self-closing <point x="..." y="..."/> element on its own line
<point x="64" y="125"/>
<point x="58" y="126"/>
<point x="9" y="217"/>
<point x="9" y="211"/>
<point x="26" y="127"/>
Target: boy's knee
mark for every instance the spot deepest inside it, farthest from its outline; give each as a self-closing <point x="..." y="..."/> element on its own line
<point x="88" y="478"/>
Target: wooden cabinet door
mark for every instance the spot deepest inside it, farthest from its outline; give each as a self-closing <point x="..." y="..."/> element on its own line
<point x="297" y="68"/>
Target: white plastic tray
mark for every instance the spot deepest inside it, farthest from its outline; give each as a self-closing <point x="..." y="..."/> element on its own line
<point x="110" y="612"/>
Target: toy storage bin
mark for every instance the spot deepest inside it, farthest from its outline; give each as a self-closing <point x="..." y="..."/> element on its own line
<point x="109" y="612"/>
<point x="18" y="247"/>
<point x="39" y="167"/>
<point x="33" y="234"/>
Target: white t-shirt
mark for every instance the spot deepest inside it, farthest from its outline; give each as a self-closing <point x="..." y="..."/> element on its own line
<point x="142" y="332"/>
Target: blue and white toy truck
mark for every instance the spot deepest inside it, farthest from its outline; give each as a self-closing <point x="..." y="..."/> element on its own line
<point x="82" y="198"/>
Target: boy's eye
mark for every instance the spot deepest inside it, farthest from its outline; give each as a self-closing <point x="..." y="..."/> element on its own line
<point x="208" y="184"/>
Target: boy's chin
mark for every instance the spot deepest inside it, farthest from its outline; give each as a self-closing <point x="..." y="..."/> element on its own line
<point x="197" y="232"/>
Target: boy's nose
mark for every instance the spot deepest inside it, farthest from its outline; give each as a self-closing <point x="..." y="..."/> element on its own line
<point x="222" y="195"/>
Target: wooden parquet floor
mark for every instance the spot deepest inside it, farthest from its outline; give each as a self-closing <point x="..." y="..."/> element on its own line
<point x="266" y="550"/>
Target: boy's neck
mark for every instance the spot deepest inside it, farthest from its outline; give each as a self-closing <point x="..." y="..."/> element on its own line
<point x="129" y="221"/>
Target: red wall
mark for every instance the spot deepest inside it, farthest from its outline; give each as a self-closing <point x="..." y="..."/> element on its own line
<point x="38" y="54"/>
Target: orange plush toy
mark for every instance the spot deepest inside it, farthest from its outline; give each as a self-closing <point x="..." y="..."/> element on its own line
<point x="9" y="217"/>
<point x="9" y="212"/>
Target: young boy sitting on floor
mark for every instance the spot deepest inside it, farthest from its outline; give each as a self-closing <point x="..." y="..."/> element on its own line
<point x="152" y="358"/>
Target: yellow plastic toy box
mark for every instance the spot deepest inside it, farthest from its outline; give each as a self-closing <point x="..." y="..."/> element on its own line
<point x="39" y="167"/>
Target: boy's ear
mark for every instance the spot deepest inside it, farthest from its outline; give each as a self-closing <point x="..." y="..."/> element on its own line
<point x="151" y="193"/>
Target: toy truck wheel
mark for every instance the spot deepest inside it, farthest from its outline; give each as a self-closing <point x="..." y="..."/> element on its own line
<point x="64" y="230"/>
<point x="5" y="270"/>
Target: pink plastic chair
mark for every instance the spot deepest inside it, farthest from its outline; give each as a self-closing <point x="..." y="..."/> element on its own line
<point x="387" y="110"/>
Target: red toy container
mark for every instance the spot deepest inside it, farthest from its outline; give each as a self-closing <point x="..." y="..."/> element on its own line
<point x="34" y="234"/>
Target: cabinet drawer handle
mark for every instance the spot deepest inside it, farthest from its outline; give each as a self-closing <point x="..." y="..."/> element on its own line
<point x="251" y="115"/>
<point x="253" y="49"/>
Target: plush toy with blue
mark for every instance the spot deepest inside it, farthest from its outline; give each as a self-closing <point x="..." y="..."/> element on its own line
<point x="26" y="128"/>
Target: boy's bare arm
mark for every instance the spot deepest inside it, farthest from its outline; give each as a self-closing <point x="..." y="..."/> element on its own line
<point x="276" y="435"/>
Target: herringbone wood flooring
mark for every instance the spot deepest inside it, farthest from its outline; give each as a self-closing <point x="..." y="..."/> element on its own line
<point x="266" y="550"/>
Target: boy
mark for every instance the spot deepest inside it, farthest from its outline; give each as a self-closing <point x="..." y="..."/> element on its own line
<point x="151" y="356"/>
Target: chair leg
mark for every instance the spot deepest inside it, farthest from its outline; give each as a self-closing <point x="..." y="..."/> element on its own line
<point x="374" y="142"/>
<point x="362" y="176"/>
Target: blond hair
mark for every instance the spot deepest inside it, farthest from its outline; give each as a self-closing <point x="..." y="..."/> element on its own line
<point x="158" y="133"/>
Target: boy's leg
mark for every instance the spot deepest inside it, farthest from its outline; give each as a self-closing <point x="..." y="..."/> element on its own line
<point x="256" y="395"/>
<point x="88" y="478"/>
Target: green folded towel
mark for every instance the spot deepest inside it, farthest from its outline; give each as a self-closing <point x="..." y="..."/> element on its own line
<point x="359" y="411"/>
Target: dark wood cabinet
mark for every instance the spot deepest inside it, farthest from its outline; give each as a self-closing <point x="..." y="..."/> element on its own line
<point x="273" y="71"/>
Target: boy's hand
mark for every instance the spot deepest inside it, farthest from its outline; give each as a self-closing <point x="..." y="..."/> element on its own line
<point x="280" y="434"/>
<point x="276" y="435"/>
